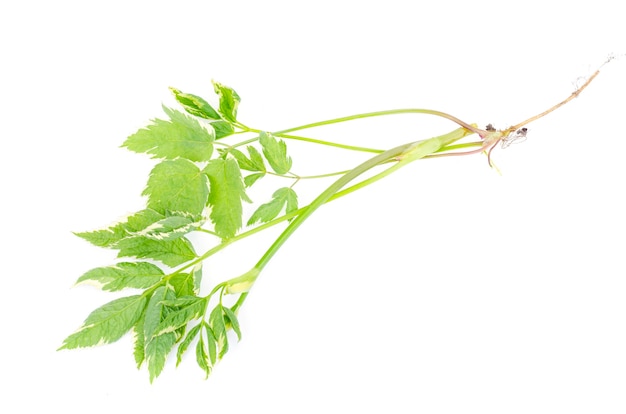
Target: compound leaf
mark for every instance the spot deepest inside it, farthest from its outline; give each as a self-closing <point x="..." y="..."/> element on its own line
<point x="181" y="136"/>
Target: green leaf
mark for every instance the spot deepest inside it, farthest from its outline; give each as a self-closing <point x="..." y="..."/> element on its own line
<point x="177" y="185"/>
<point x="242" y="160"/>
<point x="196" y="272"/>
<point x="141" y="220"/>
<point x="183" y="284"/>
<point x="195" y="105"/>
<point x="112" y="235"/>
<point x="254" y="163"/>
<point x="105" y="237"/>
<point x="202" y="356"/>
<point x="256" y="158"/>
<point x="172" y="227"/>
<point x="181" y="316"/>
<point x="139" y="347"/>
<point x="229" y="101"/>
<point x="227" y="191"/>
<point x="231" y="319"/>
<point x="184" y="344"/>
<point x="181" y="136"/>
<point x="138" y="275"/>
<point x="275" y="152"/>
<point x="268" y="211"/>
<point x="187" y="284"/>
<point x="249" y="180"/>
<point x="170" y="252"/>
<point x="212" y="343"/>
<point x="222" y="129"/>
<point x="157" y="347"/>
<point x="218" y="325"/>
<point x="108" y="323"/>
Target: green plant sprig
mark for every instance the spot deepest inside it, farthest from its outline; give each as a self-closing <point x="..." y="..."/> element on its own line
<point x="199" y="185"/>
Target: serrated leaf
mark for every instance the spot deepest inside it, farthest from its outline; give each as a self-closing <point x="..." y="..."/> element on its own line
<point x="108" y="323"/>
<point x="156" y="353"/>
<point x="256" y="158"/>
<point x="229" y="101"/>
<point x="170" y="252"/>
<point x="171" y="227"/>
<point x="183" y="284"/>
<point x="195" y="105"/>
<point x="177" y="185"/>
<point x="180" y="302"/>
<point x="184" y="344"/>
<point x="182" y="316"/>
<point x="254" y="163"/>
<point x="139" y="346"/>
<point x="157" y="347"/>
<point x="212" y="343"/>
<point x="227" y="192"/>
<point x="249" y="180"/>
<point x="218" y="326"/>
<point x="155" y="311"/>
<point x="275" y="152"/>
<point x="181" y="136"/>
<point x="105" y="237"/>
<point x="129" y="226"/>
<point x="222" y="129"/>
<point x="138" y="275"/>
<point x="267" y="212"/>
<point x="202" y="356"/>
<point x="242" y="160"/>
<point x="232" y="321"/>
<point x="196" y="272"/>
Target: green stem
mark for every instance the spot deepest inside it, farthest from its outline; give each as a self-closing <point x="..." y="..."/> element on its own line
<point x="307" y="139"/>
<point x="383" y="113"/>
<point x="283" y="133"/>
<point x="328" y="143"/>
<point x="403" y="154"/>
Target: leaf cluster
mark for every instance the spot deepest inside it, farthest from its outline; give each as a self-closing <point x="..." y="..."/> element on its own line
<point x="192" y="188"/>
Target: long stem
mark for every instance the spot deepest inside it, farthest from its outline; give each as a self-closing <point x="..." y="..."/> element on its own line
<point x="403" y="154"/>
<point x="307" y="139"/>
<point x="383" y="113"/>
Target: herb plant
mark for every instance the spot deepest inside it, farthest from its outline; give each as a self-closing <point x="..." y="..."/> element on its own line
<point x="199" y="185"/>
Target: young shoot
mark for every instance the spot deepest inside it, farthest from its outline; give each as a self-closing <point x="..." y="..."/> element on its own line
<point x="200" y="184"/>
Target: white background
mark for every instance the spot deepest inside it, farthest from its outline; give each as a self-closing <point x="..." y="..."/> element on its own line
<point x="446" y="288"/>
